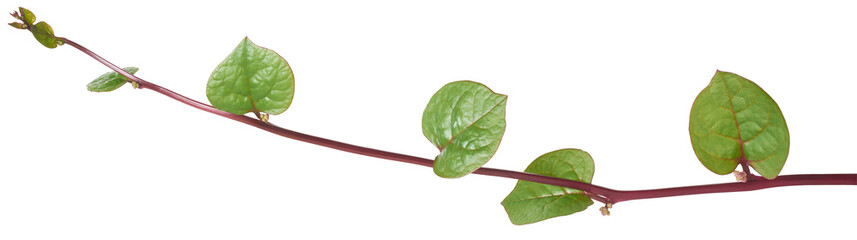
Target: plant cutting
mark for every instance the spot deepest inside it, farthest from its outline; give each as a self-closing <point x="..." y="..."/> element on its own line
<point x="733" y="123"/>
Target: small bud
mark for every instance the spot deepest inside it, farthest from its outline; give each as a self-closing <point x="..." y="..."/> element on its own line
<point x="605" y="210"/>
<point x="18" y="25"/>
<point x="15" y="15"/>
<point x="740" y="176"/>
<point x="135" y="85"/>
<point x="264" y="117"/>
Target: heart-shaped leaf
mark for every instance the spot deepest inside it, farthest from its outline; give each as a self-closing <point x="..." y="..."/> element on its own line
<point x="110" y="81"/>
<point x="251" y="79"/>
<point x="531" y="202"/>
<point x="466" y="121"/>
<point x="732" y="121"/>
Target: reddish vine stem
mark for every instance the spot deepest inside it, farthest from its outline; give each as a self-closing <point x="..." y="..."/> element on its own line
<point x="601" y="194"/>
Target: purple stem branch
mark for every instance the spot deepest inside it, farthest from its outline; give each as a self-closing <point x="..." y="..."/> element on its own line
<point x="601" y="194"/>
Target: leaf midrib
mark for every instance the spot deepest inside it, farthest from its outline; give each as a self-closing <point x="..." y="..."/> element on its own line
<point x="471" y="124"/>
<point x="546" y="196"/>
<point x="742" y="157"/>
<point x="248" y="75"/>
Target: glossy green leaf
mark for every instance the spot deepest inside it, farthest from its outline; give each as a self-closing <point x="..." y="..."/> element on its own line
<point x="110" y="81"/>
<point x="465" y="120"/>
<point x="251" y="79"/>
<point x="531" y="202"/>
<point x="734" y="120"/>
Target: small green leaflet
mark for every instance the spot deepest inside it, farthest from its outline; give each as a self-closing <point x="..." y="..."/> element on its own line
<point x="465" y="120"/>
<point x="734" y="120"/>
<point x="41" y="30"/>
<point x="531" y="202"/>
<point x="27" y="16"/>
<point x="45" y="35"/>
<point x="251" y="79"/>
<point x="110" y="81"/>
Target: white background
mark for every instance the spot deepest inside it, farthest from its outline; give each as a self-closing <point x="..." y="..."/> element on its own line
<point x="616" y="79"/>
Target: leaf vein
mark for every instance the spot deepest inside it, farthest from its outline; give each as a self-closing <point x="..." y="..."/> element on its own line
<point x="471" y="124"/>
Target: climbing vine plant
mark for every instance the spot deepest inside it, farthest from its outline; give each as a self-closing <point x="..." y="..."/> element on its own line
<point x="733" y="122"/>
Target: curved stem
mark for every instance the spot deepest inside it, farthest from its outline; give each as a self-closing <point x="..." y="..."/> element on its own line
<point x="753" y="183"/>
<point x="598" y="193"/>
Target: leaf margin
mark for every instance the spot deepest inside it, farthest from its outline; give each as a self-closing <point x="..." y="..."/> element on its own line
<point x="522" y="212"/>
<point x="728" y="165"/>
<point x="288" y="81"/>
<point x="110" y="81"/>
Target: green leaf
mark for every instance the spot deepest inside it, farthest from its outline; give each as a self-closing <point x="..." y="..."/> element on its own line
<point x="110" y="81"/>
<point x="531" y="202"/>
<point x="251" y="79"/>
<point x="734" y="120"/>
<point x="42" y="31"/>
<point x="18" y="25"/>
<point x="45" y="35"/>
<point x="465" y="120"/>
<point x="28" y="17"/>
